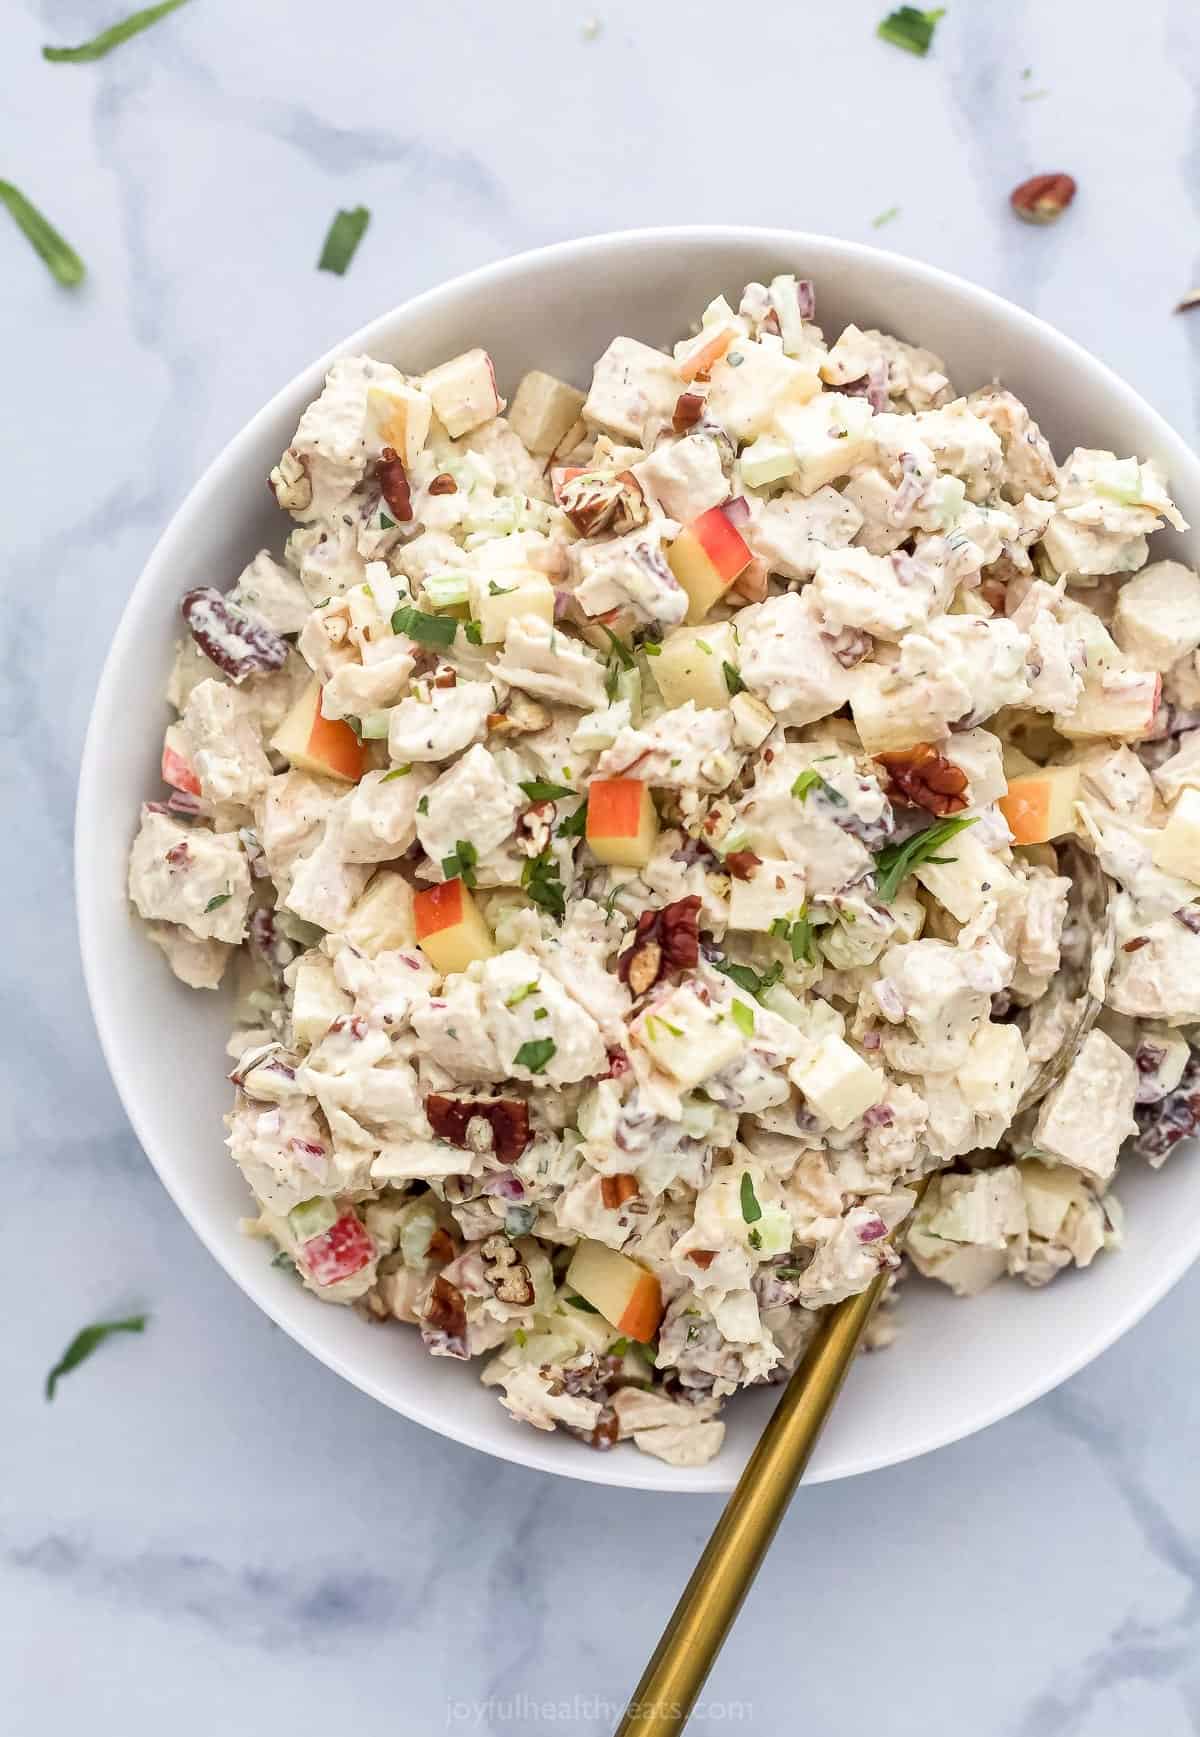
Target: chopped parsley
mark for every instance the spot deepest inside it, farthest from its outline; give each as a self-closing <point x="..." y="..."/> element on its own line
<point x="535" y="1053"/>
<point x="215" y="903"/>
<point x="620" y="650"/>
<point x="910" y="28"/>
<point x="474" y="632"/>
<point x="112" y="38"/>
<point x="396" y="772"/>
<point x="755" y="1239"/>
<point x="423" y="805"/>
<point x="575" y="825"/>
<point x="59" y="256"/>
<point x="425" y="629"/>
<point x="582" y="1303"/>
<point x="85" y="1342"/>
<point x="495" y="590"/>
<point x="541" y="790"/>
<point x="895" y="862"/>
<point x="542" y="1013"/>
<point x="733" y="680"/>
<point x="812" y="780"/>
<point x="461" y="865"/>
<point x="743" y="1018"/>
<point x="753" y="982"/>
<point x="751" y="1210"/>
<point x="799" y="936"/>
<point x="542" y="881"/>
<point x="385" y="523"/>
<point x="341" y="243"/>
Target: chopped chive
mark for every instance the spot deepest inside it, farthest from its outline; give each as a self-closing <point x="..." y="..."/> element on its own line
<point x="341" y="243"/>
<point x="59" y="256"/>
<point x="751" y="1210"/>
<point x="743" y="1018"/>
<point x="582" y="1303"/>
<point x="396" y="772"/>
<point x="896" y="862"/>
<point x="85" y="1342"/>
<point x="541" y="790"/>
<point x="733" y="680"/>
<point x="114" y="35"/>
<point x="217" y="901"/>
<point x="910" y="28"/>
<point x="893" y="211"/>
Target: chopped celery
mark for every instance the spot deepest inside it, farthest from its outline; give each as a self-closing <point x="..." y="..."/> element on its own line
<point x="445" y="590"/>
<point x="312" y="1218"/>
<point x="374" y="725"/>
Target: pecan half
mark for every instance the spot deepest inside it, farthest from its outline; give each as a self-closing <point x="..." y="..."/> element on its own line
<point x="689" y="408"/>
<point x="291" y="484"/>
<point x="508" y="1119"/>
<point x="925" y="779"/>
<point x="596" y="502"/>
<point x="664" y="940"/>
<point x="444" y="1320"/>
<point x="606" y="1432"/>
<point x="441" y="1250"/>
<point x="393" y="481"/>
<point x="505" y="1273"/>
<point x="443" y="484"/>
<point x="742" y="864"/>
<point x="236" y="642"/>
<point x="1043" y="198"/>
<point x="616" y="1190"/>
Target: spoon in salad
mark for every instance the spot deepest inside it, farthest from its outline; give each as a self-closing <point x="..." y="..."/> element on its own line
<point x="679" y="1668"/>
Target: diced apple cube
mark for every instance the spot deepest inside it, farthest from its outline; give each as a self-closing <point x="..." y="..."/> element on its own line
<point x="1120" y="703"/>
<point x="706" y="558"/>
<point x="691" y="665"/>
<point x="177" y="770"/>
<point x="543" y="410"/>
<point x="753" y="720"/>
<point x="829" y="436"/>
<point x="1040" y="805"/>
<point x="774" y="890"/>
<point x="753" y="383"/>
<point x="399" y="416"/>
<point x="338" y="1253"/>
<point x="317" y="999"/>
<point x="463" y="392"/>
<point x="968" y="879"/>
<point x="382" y="920"/>
<point x="767" y="460"/>
<point x="622" y="822"/>
<point x="687" y="1038"/>
<point x="697" y="355"/>
<point x="631" y="386"/>
<point x="837" y="1082"/>
<point x="1177" y="846"/>
<point x="499" y="596"/>
<point x="626" y="1294"/>
<point x="326" y="747"/>
<point x="1157" y="618"/>
<point x="449" y="927"/>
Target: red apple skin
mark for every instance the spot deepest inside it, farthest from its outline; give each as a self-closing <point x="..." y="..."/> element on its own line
<point x="643" y="1312"/>
<point x="436" y="908"/>
<point x="722" y="544"/>
<point x="177" y="773"/>
<point x="334" y="742"/>
<point x="614" y="807"/>
<point x="339" y="1252"/>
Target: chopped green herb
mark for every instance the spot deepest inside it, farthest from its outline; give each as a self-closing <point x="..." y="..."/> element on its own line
<point x="811" y="780"/>
<point x="542" y="1013"/>
<point x="520" y="1336"/>
<point x="283" y="1260"/>
<point x="85" y="1342"/>
<point x="495" y="590"/>
<point x="704" y="646"/>
<point x="789" y="1272"/>
<point x="621" y="651"/>
<point x="64" y="263"/>
<point x="582" y="1303"/>
<point x="461" y="866"/>
<point x="423" y="805"/>
<point x="386" y="524"/>
<point x="542" y="881"/>
<point x="425" y="629"/>
<point x="799" y="936"/>
<point x="474" y="632"/>
<point x="114" y="35"/>
<point x="541" y="790"/>
<point x="355" y="724"/>
<point x="743" y="1018"/>
<point x="755" y="1239"/>
<point x="908" y="27"/>
<point x="612" y="681"/>
<point x="733" y="680"/>
<point x="896" y="861"/>
<point x="341" y="243"/>
<point x="649" y="1352"/>
<point x="675" y="1030"/>
<point x="748" y="979"/>
<point x="396" y="772"/>
<point x="652" y="648"/>
<point x="893" y="211"/>
<point x="618" y="1348"/>
<point x="519" y="995"/>
<point x="575" y="825"/>
<point x="610" y="903"/>
<point x="215" y="903"/>
<point x="751" y="1210"/>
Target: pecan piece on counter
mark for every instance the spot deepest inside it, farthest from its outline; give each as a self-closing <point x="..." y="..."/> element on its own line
<point x="444" y="1320"/>
<point x="1043" y="198"/>
<point x="505" y="1273"/>
<point x="508" y="1119"/>
<point x="236" y="642"/>
<point x="393" y="481"/>
<point x="925" y="779"/>
<point x="616" y="1190"/>
<point x="664" y="940"/>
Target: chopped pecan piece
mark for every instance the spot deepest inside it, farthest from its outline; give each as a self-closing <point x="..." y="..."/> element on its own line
<point x="505" y="1273"/>
<point x="393" y="480"/>
<point x="616" y="1190"/>
<point x="925" y="779"/>
<point x="665" y="940"/>
<point x="597" y="502"/>
<point x="444" y="1320"/>
<point x="606" y="1432"/>
<point x="236" y="642"/>
<point x="291" y="484"/>
<point x="641" y="965"/>
<point x="742" y="864"/>
<point x="508" y="1119"/>
<point x="441" y="1250"/>
<point x="703" y="1257"/>
<point x="689" y="408"/>
<point x="443" y="484"/>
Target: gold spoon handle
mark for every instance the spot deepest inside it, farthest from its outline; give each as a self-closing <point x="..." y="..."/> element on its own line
<point x="671" y="1682"/>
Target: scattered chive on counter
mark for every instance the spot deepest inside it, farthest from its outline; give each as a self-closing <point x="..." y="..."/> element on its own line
<point x="87" y="1340"/>
<point x="910" y="28"/>
<point x="116" y="34"/>
<point x="341" y="243"/>
<point x="59" y="256"/>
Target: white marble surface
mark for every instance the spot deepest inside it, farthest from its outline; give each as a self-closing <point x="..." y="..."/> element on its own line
<point x="208" y="1532"/>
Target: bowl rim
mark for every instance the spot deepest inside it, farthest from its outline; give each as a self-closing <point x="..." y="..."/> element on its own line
<point x="528" y="1447"/>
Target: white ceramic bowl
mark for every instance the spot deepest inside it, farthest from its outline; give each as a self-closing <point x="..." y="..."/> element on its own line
<point x="957" y="1366"/>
